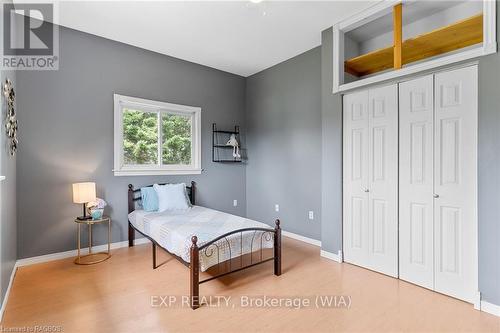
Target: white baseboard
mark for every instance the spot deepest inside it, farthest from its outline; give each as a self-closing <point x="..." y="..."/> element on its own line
<point x="490" y="308"/>
<point x="73" y="253"/>
<point x="301" y="238"/>
<point x="477" y="301"/>
<point x="7" y="292"/>
<point x="325" y="254"/>
<point x="332" y="256"/>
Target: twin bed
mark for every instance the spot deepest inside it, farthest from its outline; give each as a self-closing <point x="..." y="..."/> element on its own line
<point x="205" y="240"/>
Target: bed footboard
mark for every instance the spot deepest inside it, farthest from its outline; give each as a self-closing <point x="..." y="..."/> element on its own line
<point x="194" y="267"/>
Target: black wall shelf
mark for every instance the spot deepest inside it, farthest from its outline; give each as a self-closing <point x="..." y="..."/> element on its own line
<point x="221" y="152"/>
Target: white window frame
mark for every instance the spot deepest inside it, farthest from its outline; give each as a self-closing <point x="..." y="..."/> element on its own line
<point x="385" y="6"/>
<point x="121" y="169"/>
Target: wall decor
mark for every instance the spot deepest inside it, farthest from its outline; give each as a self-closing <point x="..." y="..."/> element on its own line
<point x="10" y="119"/>
<point x="233" y="142"/>
<point x="221" y="145"/>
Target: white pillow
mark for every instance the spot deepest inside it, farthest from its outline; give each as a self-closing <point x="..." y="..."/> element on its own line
<point x="171" y="197"/>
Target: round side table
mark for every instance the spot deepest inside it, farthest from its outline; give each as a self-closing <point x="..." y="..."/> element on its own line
<point x="91" y="257"/>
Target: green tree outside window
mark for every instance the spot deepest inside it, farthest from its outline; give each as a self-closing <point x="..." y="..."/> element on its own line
<point x="140" y="136"/>
<point x="176" y="135"/>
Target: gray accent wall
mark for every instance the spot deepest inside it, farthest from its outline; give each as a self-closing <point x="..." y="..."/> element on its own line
<point x="284" y="144"/>
<point x="331" y="144"/>
<point x="8" y="209"/>
<point x="66" y="135"/>
<point x="489" y="176"/>
<point x="8" y="218"/>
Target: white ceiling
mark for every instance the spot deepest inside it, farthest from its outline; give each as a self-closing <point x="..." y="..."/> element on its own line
<point x="239" y="37"/>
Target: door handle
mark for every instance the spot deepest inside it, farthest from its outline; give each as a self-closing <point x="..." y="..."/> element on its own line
<point x="436" y="196"/>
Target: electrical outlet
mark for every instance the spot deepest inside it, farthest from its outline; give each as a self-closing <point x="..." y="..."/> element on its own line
<point x="311" y="215"/>
<point x="235" y="202"/>
<point x="277" y="207"/>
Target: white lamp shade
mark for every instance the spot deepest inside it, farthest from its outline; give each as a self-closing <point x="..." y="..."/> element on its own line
<point x="83" y="192"/>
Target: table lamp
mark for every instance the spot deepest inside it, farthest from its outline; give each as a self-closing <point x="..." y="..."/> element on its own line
<point x="82" y="194"/>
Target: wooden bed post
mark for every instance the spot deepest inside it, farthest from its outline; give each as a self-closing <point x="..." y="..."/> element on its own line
<point x="194" y="268"/>
<point x="277" y="249"/>
<point x="193" y="192"/>
<point x="131" y="235"/>
<point x="154" y="255"/>
<point x="131" y="231"/>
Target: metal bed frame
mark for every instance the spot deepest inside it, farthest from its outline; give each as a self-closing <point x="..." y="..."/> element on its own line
<point x="212" y="247"/>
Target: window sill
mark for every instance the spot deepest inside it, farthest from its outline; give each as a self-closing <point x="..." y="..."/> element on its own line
<point x="156" y="172"/>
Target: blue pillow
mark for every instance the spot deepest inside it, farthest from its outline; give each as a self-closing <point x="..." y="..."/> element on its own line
<point x="149" y="199"/>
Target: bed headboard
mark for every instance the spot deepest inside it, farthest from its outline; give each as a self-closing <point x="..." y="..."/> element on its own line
<point x="134" y="195"/>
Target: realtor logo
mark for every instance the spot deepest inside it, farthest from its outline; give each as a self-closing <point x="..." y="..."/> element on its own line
<point x="30" y="40"/>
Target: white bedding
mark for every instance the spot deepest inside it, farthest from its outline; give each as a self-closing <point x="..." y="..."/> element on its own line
<point x="173" y="230"/>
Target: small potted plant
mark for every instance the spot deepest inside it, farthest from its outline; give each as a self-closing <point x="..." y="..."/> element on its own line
<point x="96" y="208"/>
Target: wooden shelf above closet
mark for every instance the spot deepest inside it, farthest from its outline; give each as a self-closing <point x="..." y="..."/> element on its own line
<point x="452" y="37"/>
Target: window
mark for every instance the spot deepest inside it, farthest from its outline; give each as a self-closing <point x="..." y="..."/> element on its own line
<point x="156" y="138"/>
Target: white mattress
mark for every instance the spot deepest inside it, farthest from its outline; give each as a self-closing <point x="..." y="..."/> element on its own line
<point x="173" y="230"/>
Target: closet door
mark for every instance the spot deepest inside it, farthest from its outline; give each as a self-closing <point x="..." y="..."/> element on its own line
<point x="370" y="179"/>
<point x="355" y="178"/>
<point x="416" y="207"/>
<point x="383" y="180"/>
<point x="455" y="172"/>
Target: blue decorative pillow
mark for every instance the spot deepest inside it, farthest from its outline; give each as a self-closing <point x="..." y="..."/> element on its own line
<point x="149" y="199"/>
<point x="171" y="197"/>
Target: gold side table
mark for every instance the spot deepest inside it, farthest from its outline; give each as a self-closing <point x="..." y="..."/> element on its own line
<point x="93" y="258"/>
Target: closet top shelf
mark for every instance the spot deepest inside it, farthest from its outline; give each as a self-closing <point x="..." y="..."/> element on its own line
<point x="452" y="37"/>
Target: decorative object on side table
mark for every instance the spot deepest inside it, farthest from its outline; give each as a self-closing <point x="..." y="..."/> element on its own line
<point x="10" y="118"/>
<point x="91" y="257"/>
<point x="96" y="208"/>
<point x="84" y="193"/>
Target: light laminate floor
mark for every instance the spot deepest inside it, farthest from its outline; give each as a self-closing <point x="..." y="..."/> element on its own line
<point x="116" y="296"/>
